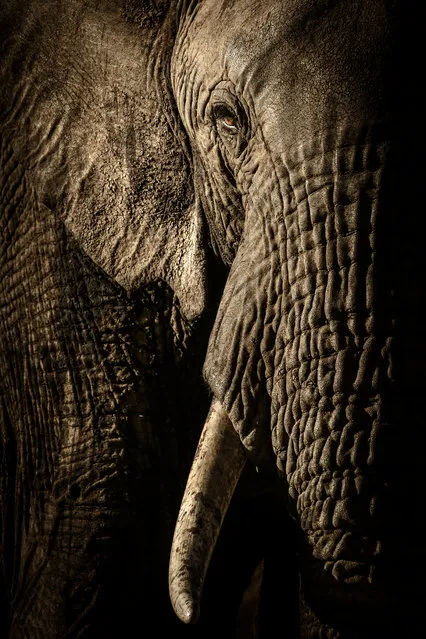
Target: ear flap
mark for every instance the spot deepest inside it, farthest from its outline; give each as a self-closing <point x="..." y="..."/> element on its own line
<point x="93" y="120"/>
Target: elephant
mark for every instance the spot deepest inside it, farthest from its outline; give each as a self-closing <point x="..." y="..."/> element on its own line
<point x="211" y="203"/>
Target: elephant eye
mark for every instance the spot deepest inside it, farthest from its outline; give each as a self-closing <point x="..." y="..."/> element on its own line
<point x="229" y="122"/>
<point x="226" y="120"/>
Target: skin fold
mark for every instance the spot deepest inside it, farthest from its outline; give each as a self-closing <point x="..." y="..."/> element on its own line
<point x="204" y="200"/>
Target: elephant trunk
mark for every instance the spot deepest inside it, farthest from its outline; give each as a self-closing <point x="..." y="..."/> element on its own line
<point x="317" y="356"/>
<point x="217" y="466"/>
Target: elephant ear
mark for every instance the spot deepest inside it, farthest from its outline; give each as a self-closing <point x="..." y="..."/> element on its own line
<point x="92" y="118"/>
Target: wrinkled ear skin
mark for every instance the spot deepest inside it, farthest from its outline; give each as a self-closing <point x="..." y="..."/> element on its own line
<point x="86" y="103"/>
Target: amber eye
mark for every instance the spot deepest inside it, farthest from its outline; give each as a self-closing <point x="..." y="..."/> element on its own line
<point x="225" y="119"/>
<point x="230" y="122"/>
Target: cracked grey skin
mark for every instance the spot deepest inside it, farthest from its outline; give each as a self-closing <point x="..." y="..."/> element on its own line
<point x="137" y="138"/>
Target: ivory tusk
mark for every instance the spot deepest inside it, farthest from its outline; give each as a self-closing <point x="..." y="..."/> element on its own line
<point x="215" y="471"/>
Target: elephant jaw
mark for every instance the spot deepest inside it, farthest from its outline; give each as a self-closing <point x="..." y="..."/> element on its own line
<point x="217" y="466"/>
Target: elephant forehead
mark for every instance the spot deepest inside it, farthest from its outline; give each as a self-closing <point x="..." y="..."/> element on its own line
<point x="300" y="64"/>
<point x="231" y="38"/>
<point x="247" y="38"/>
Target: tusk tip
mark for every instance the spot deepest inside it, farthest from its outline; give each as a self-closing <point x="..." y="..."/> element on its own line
<point x="186" y="608"/>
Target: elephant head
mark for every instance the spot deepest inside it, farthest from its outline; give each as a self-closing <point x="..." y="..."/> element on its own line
<point x="316" y="358"/>
<point x="234" y="183"/>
